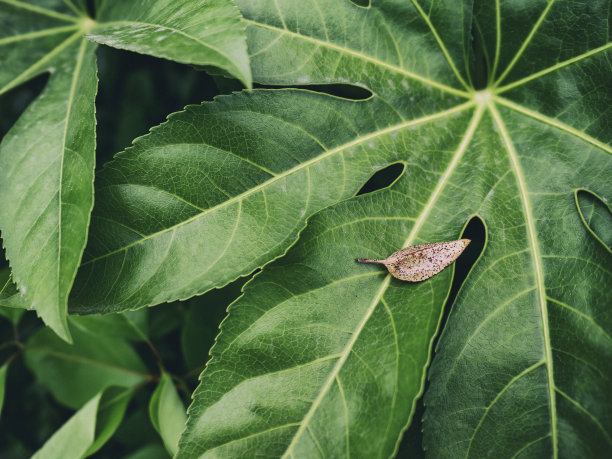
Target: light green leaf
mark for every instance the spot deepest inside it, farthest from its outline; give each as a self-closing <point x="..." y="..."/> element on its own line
<point x="111" y="410"/>
<point x="75" y="372"/>
<point x="75" y="437"/>
<point x="192" y="32"/>
<point x="89" y="428"/>
<point x="150" y="451"/>
<point x="167" y="413"/>
<point x="254" y="166"/>
<point x="323" y="357"/>
<point x="47" y="158"/>
<point x="3" y="371"/>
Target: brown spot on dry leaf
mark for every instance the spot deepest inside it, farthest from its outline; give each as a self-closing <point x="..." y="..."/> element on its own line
<point x="420" y="262"/>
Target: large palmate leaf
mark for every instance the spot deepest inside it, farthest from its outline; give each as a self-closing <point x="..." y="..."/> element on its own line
<point x="324" y="357"/>
<point x="47" y="158"/>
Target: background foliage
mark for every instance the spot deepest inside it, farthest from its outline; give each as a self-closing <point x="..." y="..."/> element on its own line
<point x="400" y="123"/>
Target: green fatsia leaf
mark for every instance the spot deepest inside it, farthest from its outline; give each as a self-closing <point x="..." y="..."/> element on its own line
<point x="167" y="413"/>
<point x="321" y="349"/>
<point x="73" y="373"/>
<point x="192" y="32"/>
<point x="47" y="158"/>
<point x="253" y="166"/>
<point x="306" y="360"/>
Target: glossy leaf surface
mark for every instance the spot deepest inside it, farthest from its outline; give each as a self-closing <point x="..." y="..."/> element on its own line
<point x="307" y="362"/>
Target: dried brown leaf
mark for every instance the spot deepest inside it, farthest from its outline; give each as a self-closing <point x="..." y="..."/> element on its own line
<point x="420" y="262"/>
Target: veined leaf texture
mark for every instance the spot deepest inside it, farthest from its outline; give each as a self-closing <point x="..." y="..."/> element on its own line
<point x="497" y="109"/>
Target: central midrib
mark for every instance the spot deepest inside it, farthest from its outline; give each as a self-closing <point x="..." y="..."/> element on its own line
<point x="534" y="248"/>
<point x="381" y="291"/>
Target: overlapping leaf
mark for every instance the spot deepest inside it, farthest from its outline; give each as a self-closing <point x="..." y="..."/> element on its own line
<point x="206" y="33"/>
<point x="47" y="158"/>
<point x="89" y="428"/>
<point x="74" y="373"/>
<point x="252" y="167"/>
<point x="323" y="357"/>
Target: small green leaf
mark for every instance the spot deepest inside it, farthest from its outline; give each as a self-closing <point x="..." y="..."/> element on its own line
<point x="150" y="451"/>
<point x="75" y="437"/>
<point x="12" y="303"/>
<point x="167" y="413"/>
<point x="75" y="372"/>
<point x="200" y="33"/>
<point x="3" y="371"/>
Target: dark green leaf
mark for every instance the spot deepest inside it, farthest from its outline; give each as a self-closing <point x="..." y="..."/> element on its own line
<point x="201" y="323"/>
<point x="74" y="372"/>
<point x="75" y="437"/>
